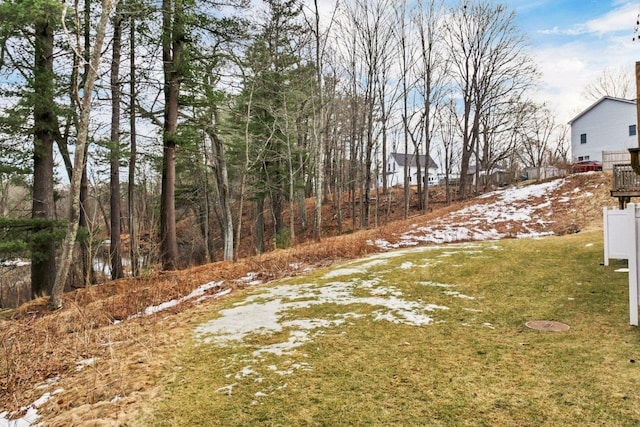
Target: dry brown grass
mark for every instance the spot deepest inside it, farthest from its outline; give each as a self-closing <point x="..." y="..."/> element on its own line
<point x="37" y="345"/>
<point x="14" y="288"/>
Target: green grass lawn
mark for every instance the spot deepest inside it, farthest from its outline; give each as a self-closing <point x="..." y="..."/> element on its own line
<point x="473" y="364"/>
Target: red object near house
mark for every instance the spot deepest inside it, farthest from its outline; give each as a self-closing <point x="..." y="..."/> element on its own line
<point x="586" y="166"/>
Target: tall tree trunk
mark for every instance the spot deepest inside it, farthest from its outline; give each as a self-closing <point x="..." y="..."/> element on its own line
<point x="419" y="176"/>
<point x="405" y="122"/>
<point x="302" y="208"/>
<point x="222" y="180"/>
<point x="447" y="173"/>
<point x="43" y="266"/>
<point x="317" y="133"/>
<point x="243" y="183"/>
<point x="277" y="207"/>
<point x="338" y="191"/>
<point x="86" y="255"/>
<point x="133" y="240"/>
<point x="292" y="199"/>
<point x="114" y="158"/>
<point x="468" y="142"/>
<point x="172" y="46"/>
<point x="368" y="162"/>
<point x="55" y="302"/>
<point x="300" y="193"/>
<point x="354" y="168"/>
<point x="259" y="225"/>
<point x="88" y="274"/>
<point x="204" y="210"/>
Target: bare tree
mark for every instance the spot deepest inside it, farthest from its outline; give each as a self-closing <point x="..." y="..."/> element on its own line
<point x="406" y="62"/>
<point x="55" y="302"/>
<point x="370" y="34"/>
<point x="320" y="116"/>
<point x="489" y="67"/>
<point x="560" y="150"/>
<point x="449" y="131"/>
<point x="351" y="145"/>
<point x="615" y="82"/>
<point x="535" y="129"/>
<point x="497" y="141"/>
<point x="431" y="76"/>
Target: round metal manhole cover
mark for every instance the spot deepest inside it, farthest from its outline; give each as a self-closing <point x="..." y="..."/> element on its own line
<point x="547" y="325"/>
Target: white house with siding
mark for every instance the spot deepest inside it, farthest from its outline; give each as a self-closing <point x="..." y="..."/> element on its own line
<point x="394" y="170"/>
<point x="607" y="125"/>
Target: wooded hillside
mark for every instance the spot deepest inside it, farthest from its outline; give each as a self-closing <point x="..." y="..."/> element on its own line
<point x="216" y="130"/>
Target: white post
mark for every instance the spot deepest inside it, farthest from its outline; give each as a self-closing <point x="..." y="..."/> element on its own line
<point x="634" y="217"/>
<point x="605" y="226"/>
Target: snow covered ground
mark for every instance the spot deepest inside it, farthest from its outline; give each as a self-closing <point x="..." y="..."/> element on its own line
<point x="30" y="412"/>
<point x="514" y="212"/>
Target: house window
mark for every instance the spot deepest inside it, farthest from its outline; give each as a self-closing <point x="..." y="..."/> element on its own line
<point x="632" y="130"/>
<point x="581" y="158"/>
<point x="583" y="138"/>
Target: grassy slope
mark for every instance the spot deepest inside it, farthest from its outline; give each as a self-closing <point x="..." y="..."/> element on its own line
<point x="132" y="359"/>
<point x="468" y="368"/>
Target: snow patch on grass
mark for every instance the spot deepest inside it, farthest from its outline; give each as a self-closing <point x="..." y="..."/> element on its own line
<point x="273" y="311"/>
<point x="30" y="412"/>
<point x="457" y="294"/>
<point x="251" y="279"/>
<point x="81" y="364"/>
<point x="199" y="293"/>
<point x="263" y="312"/>
<point x="355" y="270"/>
<point x="435" y="284"/>
<point x="502" y="209"/>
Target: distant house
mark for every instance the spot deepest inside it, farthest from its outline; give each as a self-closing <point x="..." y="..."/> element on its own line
<point x="395" y="169"/>
<point x="544" y="172"/>
<point x="607" y="125"/>
<point x="497" y="175"/>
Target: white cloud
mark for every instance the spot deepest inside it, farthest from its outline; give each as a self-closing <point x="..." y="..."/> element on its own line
<point x="569" y="65"/>
<point x="615" y="21"/>
<point x="557" y="31"/>
<point x="565" y="73"/>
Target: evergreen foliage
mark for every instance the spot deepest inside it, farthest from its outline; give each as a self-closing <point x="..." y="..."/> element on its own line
<point x="22" y="236"/>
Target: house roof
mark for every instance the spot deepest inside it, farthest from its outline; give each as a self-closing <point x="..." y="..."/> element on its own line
<point x="598" y="102"/>
<point x="400" y="158"/>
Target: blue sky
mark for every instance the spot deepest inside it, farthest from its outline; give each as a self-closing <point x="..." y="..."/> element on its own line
<point x="573" y="42"/>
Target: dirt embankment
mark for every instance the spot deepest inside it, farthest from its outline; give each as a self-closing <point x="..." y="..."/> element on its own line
<point x="109" y="355"/>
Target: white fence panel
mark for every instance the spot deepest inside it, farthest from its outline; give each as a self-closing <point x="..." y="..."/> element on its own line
<point x="634" y="280"/>
<point x="622" y="241"/>
<point x="610" y="158"/>
<point x="618" y="241"/>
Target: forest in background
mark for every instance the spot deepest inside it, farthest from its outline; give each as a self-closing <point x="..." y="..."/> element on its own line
<point x="154" y="125"/>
